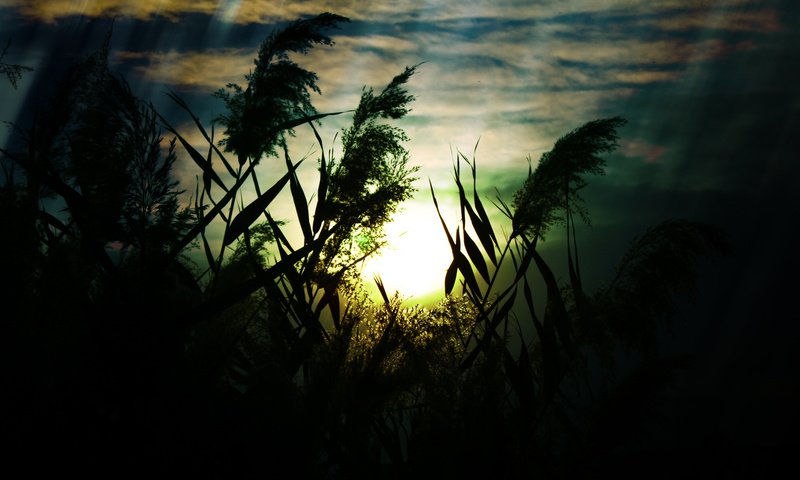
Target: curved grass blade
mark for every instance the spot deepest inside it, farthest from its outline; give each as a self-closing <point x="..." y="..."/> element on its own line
<point x="441" y="219"/>
<point x="450" y="278"/>
<point x="181" y="103"/>
<point x="476" y="256"/>
<point x="289" y="124"/>
<point x="251" y="212"/>
<point x="196" y="156"/>
<point x="485" y="223"/>
<point x="484" y="233"/>
<point x="322" y="190"/>
<point x="299" y="198"/>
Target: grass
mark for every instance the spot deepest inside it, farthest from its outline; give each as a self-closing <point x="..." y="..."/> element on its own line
<point x="250" y="365"/>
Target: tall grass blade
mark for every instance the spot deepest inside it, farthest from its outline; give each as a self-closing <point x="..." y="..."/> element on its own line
<point x="295" y="122"/>
<point x="484" y="235"/>
<point x="331" y="299"/>
<point x="485" y="222"/>
<point x="322" y="190"/>
<point x="299" y="198"/>
<point x="181" y="103"/>
<point x="476" y="256"/>
<point x="223" y="301"/>
<point x="450" y="278"/>
<point x="251" y="212"/>
<point x="382" y="289"/>
<point x="280" y="238"/>
<point x="441" y="219"/>
<point x="195" y="155"/>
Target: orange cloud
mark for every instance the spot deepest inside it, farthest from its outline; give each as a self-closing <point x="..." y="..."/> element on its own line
<point x="208" y="70"/>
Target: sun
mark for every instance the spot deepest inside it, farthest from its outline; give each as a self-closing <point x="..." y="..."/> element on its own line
<point x="416" y="257"/>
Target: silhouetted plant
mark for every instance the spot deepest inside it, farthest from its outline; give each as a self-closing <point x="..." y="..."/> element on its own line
<point x="277" y="90"/>
<point x="574" y="328"/>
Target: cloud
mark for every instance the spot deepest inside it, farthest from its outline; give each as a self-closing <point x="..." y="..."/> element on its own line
<point x="269" y="11"/>
<point x="638" y="52"/>
<point x="766" y="21"/>
<point x="205" y="70"/>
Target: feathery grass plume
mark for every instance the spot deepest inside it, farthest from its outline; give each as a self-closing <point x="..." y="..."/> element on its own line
<point x="372" y="178"/>
<point x="550" y="194"/>
<point x="277" y="90"/>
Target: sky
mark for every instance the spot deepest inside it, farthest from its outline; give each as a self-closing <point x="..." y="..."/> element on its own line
<point x="708" y="89"/>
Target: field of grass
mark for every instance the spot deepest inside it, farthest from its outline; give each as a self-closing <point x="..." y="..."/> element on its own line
<point x="123" y="354"/>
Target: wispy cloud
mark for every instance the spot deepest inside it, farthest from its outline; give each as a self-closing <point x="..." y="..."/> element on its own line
<point x="268" y="11"/>
<point x="205" y="70"/>
<point x="765" y="20"/>
<point x="514" y="74"/>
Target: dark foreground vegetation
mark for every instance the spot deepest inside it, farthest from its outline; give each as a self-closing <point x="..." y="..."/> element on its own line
<point x="120" y="353"/>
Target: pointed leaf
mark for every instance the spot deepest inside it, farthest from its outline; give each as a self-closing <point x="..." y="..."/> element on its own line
<point x="299" y="198"/>
<point x="251" y="212"/>
<point x="466" y="271"/>
<point x="289" y="124"/>
<point x="280" y="238"/>
<point x="479" y="207"/>
<point x="441" y="219"/>
<point x="484" y="233"/>
<point x="195" y="155"/>
<point x="476" y="256"/>
<point x="450" y="278"/>
<point x="181" y="103"/>
<point x="322" y="190"/>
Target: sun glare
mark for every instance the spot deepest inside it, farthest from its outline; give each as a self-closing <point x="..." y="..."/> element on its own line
<point x="417" y="255"/>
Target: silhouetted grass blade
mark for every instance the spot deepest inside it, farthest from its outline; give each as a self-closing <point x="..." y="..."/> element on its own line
<point x="280" y="238"/>
<point x="252" y="211"/>
<point x="195" y="155"/>
<point x="181" y="103"/>
<point x="382" y="290"/>
<point x="450" y="278"/>
<point x="330" y="299"/>
<point x="441" y="219"/>
<point x="484" y="235"/>
<point x="295" y="122"/>
<point x="299" y="198"/>
<point x="490" y="331"/>
<point x="476" y="256"/>
<point x="322" y="190"/>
